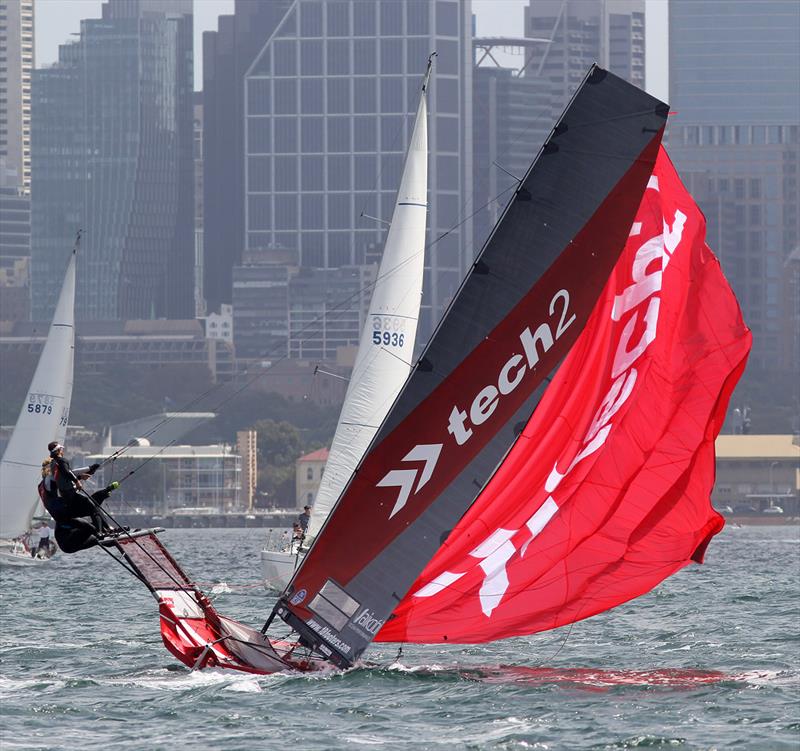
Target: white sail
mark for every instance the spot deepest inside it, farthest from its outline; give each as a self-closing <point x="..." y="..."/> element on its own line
<point x="43" y="417"/>
<point x="387" y="343"/>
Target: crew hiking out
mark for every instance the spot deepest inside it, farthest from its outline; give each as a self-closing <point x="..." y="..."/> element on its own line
<point x="63" y="496"/>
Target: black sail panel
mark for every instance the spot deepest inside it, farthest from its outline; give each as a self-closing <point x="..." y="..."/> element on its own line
<point x="520" y="309"/>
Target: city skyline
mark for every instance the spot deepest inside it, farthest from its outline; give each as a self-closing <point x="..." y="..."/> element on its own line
<point x="58" y="19"/>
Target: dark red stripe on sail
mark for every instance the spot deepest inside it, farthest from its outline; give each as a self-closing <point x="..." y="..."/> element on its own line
<point x="535" y="285"/>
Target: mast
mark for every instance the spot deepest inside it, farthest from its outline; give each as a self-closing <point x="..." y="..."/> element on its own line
<point x="386" y="349"/>
<point x="44" y="414"/>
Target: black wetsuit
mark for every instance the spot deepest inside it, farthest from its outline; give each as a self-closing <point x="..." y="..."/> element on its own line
<point x="66" y="504"/>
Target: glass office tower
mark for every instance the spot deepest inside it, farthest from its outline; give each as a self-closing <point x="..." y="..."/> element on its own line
<point x="112" y="155"/>
<point x="329" y="105"/>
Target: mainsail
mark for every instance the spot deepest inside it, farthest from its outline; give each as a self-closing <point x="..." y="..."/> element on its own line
<point x="606" y="493"/>
<point x="386" y="348"/>
<point x="521" y="308"/>
<point x="43" y="417"/>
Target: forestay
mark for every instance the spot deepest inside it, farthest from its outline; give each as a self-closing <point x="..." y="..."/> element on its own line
<point x="43" y="417"/>
<point x="520" y="309"/>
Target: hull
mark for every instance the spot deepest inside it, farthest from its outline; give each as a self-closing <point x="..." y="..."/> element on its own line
<point x="278" y="567"/>
<point x="15" y="555"/>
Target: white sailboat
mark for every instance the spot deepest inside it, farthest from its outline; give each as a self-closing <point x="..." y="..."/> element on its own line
<point x="43" y="418"/>
<point x="386" y="348"/>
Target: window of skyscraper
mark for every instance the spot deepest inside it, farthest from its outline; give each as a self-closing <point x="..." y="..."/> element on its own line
<point x="285" y="54"/>
<point x="365" y="134"/>
<point x="447" y="62"/>
<point x="286" y="211"/>
<point x="311" y="134"/>
<point x="366" y="171"/>
<point x="339" y="173"/>
<point x="286" y="97"/>
<point x="338" y="134"/>
<point x="313" y="253"/>
<point x="310" y="19"/>
<point x="447" y="131"/>
<point x="258" y="96"/>
<point x="446" y="18"/>
<point x="417" y="51"/>
<point x="311" y="98"/>
<point x="418" y="17"/>
<point x="286" y="173"/>
<point x="446" y="93"/>
<point x="312" y="211"/>
<point x="259" y="131"/>
<point x="259" y="173"/>
<point x="340" y="213"/>
<point x="391" y="133"/>
<point x="311" y="57"/>
<point x="364" y="14"/>
<point x="339" y="95"/>
<point x="339" y="249"/>
<point x="338" y="57"/>
<point x="364" y="56"/>
<point x="286" y="135"/>
<point x="311" y="172"/>
<point x="259" y="215"/>
<point x="391" y="18"/>
<point x="366" y="100"/>
<point x="392" y="94"/>
<point x="338" y="19"/>
<point x="391" y="55"/>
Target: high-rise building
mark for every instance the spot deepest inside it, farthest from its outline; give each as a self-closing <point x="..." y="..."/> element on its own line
<point x="511" y="120"/>
<point x="573" y="34"/>
<point x="227" y="54"/>
<point x="15" y="250"/>
<point x="329" y="103"/>
<point x="16" y="65"/>
<point x="327" y="310"/>
<point x="112" y="154"/>
<point x="735" y="137"/>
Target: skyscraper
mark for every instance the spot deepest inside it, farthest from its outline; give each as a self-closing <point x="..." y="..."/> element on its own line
<point x="112" y="154"/>
<point x="573" y="34"/>
<point x="227" y="54"/>
<point x="16" y="64"/>
<point x="328" y="98"/>
<point x="735" y="89"/>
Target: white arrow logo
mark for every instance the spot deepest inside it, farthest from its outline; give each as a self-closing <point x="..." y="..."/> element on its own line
<point x="404" y="478"/>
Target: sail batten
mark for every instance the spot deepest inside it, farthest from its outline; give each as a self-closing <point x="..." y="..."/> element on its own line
<point x="486" y="366"/>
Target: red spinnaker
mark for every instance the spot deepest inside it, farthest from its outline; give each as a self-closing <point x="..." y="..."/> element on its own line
<point x="606" y="493"/>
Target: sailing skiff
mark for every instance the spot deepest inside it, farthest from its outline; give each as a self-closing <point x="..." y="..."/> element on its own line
<point x="42" y="418"/>
<point x="551" y="454"/>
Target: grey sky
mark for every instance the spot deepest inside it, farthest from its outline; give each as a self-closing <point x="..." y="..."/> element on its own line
<point x="56" y="20"/>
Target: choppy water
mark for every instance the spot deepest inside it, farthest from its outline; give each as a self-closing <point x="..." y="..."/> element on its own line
<point x="707" y="661"/>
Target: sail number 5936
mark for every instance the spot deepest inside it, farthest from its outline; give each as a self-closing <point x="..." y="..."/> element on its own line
<point x="388" y="331"/>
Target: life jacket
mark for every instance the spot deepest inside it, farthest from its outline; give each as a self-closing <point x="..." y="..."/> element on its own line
<point x="53" y="502"/>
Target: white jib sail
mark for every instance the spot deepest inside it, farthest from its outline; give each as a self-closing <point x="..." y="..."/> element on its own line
<point x="43" y="417"/>
<point x="386" y="349"/>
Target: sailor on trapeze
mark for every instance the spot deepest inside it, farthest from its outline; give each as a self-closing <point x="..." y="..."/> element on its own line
<point x="66" y="501"/>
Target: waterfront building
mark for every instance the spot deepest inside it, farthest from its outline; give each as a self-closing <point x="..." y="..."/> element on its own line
<point x="112" y="154"/>
<point x="247" y="447"/>
<point x="308" y="475"/>
<point x="735" y="138"/>
<point x="16" y="65"/>
<point x="756" y="472"/>
<point x="101" y="346"/>
<point x="201" y="478"/>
